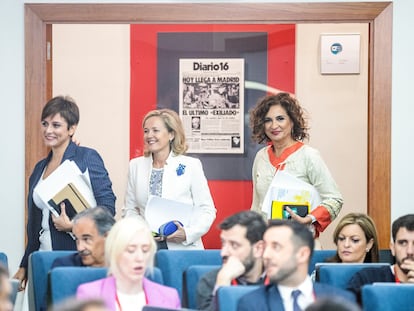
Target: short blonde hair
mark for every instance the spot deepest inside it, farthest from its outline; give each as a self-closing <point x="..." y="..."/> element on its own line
<point x="119" y="237"/>
<point x="174" y="125"/>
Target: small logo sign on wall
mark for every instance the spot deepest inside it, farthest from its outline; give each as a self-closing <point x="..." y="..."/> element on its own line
<point x="340" y="53"/>
<point x="336" y="48"/>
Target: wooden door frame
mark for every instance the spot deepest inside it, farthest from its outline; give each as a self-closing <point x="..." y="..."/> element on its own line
<point x="377" y="14"/>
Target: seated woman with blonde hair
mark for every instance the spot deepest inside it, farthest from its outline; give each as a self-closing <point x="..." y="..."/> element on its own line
<point x="356" y="239"/>
<point x="129" y="253"/>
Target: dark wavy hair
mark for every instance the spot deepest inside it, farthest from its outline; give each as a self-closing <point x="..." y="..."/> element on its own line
<point x="293" y="109"/>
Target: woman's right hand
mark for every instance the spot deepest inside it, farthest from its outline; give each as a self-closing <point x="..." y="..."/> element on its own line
<point x="21" y="276"/>
<point x="62" y="223"/>
<point x="179" y="235"/>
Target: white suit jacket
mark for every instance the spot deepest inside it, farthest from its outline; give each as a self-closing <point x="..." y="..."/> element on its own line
<point x="187" y="186"/>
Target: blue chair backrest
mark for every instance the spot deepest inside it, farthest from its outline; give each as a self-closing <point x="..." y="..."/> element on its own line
<point x="191" y="277"/>
<point x="40" y="263"/>
<point x="72" y="277"/>
<point x="228" y="296"/>
<point x="339" y="274"/>
<point x="388" y="297"/>
<point x="320" y="255"/>
<point x="173" y="263"/>
<point x="385" y="255"/>
<point x="3" y="260"/>
<point x="64" y="281"/>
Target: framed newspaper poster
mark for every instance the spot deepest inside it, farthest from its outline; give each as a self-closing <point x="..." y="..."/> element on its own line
<point x="211" y="104"/>
<point x="268" y="55"/>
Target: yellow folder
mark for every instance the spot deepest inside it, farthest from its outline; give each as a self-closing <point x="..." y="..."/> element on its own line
<point x="279" y="209"/>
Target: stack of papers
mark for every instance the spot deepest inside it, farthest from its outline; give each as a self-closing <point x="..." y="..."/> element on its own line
<point x="69" y="185"/>
<point x="159" y="211"/>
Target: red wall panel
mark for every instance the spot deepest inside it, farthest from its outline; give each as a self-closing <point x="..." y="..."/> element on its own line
<point x="229" y="196"/>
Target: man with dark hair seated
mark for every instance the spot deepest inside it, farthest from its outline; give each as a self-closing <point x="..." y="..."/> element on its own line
<point x="90" y="228"/>
<point x="402" y="248"/>
<point x="288" y="249"/>
<point x="241" y="250"/>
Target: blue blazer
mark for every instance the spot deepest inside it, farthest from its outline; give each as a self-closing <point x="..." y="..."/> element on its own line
<point x="85" y="158"/>
<point x="267" y="298"/>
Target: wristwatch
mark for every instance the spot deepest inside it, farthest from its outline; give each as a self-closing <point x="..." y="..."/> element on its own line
<point x="312" y="217"/>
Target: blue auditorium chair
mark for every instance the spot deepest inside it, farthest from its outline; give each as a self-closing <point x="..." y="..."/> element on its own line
<point x="388" y="297"/>
<point x="385" y="255"/>
<point x="3" y="260"/>
<point x="320" y="255"/>
<point x="40" y="263"/>
<point x="228" y="296"/>
<point x="64" y="281"/>
<point x="339" y="274"/>
<point x="191" y="277"/>
<point x="173" y="263"/>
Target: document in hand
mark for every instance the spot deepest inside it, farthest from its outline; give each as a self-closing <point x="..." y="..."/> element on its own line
<point x="159" y="211"/>
<point x="68" y="184"/>
<point x="73" y="199"/>
<point x="288" y="190"/>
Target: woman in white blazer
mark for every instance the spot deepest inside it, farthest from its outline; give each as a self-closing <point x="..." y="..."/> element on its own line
<point x="166" y="172"/>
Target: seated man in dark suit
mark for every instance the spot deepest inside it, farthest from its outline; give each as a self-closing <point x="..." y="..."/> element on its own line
<point x="402" y="248"/>
<point x="241" y="250"/>
<point x="90" y="228"/>
<point x="288" y="250"/>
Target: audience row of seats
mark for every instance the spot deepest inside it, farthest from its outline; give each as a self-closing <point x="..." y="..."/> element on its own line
<point x="54" y="285"/>
<point x="339" y="274"/>
<point x="180" y="269"/>
<point x="378" y="296"/>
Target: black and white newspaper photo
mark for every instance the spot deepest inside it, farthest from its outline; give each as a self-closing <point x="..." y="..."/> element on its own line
<point x="212" y="104"/>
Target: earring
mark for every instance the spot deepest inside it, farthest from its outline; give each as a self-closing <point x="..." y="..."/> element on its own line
<point x="367" y="250"/>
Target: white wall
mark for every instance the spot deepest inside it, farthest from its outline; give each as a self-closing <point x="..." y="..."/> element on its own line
<point x="12" y="163"/>
<point x="338" y="110"/>
<point x="91" y="63"/>
<point x="12" y="125"/>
